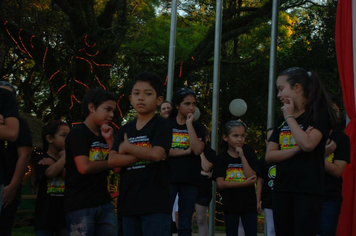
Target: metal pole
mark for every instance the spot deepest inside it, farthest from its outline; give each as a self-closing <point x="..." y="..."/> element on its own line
<point x="272" y="65"/>
<point x="172" y="50"/>
<point x="214" y="128"/>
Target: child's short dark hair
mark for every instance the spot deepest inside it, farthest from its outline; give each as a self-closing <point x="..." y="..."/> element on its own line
<point x="51" y="128"/>
<point x="152" y="79"/>
<point x="97" y="97"/>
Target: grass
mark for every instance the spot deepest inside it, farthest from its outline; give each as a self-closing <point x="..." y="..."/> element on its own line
<point x="24" y="231"/>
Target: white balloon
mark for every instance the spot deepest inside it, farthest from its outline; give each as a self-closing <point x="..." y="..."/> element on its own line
<point x="238" y="107"/>
<point x="196" y="113"/>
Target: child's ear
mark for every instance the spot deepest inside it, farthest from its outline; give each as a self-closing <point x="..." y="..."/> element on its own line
<point x="49" y="138"/>
<point x="298" y="87"/>
<point x="91" y="107"/>
<point x="224" y="137"/>
<point x="159" y="100"/>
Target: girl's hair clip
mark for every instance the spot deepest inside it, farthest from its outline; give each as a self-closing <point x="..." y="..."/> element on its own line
<point x="309" y="73"/>
<point x="243" y="123"/>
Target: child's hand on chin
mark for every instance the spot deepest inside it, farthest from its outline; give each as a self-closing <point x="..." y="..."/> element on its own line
<point x="106" y="131"/>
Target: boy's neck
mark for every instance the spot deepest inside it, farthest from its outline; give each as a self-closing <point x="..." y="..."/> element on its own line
<point x="143" y="119"/>
<point x="92" y="126"/>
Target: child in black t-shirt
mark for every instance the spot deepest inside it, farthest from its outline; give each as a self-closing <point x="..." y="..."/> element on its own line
<point x="235" y="175"/>
<point x="49" y="213"/>
<point x="184" y="157"/>
<point x="140" y="150"/>
<point x="297" y="145"/>
<point x="265" y="184"/>
<point x="87" y="202"/>
<point x="337" y="155"/>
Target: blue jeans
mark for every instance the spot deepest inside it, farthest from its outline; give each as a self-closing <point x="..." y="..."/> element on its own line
<point x="156" y="224"/>
<point x="100" y="220"/>
<point x="186" y="203"/>
<point x="7" y="215"/>
<point x="329" y="218"/>
<point x="249" y="222"/>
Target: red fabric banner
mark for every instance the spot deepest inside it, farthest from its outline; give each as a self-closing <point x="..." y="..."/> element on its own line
<point x="344" y="51"/>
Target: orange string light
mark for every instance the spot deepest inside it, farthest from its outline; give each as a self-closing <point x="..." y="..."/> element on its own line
<point x="82" y="84"/>
<point x="115" y="125"/>
<point x="84" y="59"/>
<point x="180" y="69"/>
<point x="53" y="75"/>
<point x="92" y="55"/>
<point x="61" y="88"/>
<point x="31" y="41"/>
<point x="165" y="82"/>
<point x="96" y="77"/>
<point x="97" y="64"/>
<point x="118" y="106"/>
<point x="23" y="45"/>
<point x="44" y="59"/>
<point x="13" y="39"/>
<point x="71" y="101"/>
<point x="86" y="43"/>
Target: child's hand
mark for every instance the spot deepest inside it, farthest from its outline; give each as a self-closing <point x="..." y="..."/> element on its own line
<point x="124" y="145"/>
<point x="188" y="151"/>
<point x="252" y="179"/>
<point x="239" y="151"/>
<point x="106" y="131"/>
<point x="288" y="107"/>
<point x="259" y="208"/>
<point x="310" y="128"/>
<point x="330" y="147"/>
<point x="62" y="154"/>
<point x="2" y="120"/>
<point x="190" y="118"/>
<point x="46" y="162"/>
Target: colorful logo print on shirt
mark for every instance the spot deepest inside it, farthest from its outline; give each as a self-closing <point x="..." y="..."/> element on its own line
<point x="286" y="139"/>
<point x="140" y="141"/>
<point x="330" y="158"/>
<point x="55" y="186"/>
<point x="235" y="173"/>
<point x="180" y="139"/>
<point x="98" y="151"/>
<point x="272" y="176"/>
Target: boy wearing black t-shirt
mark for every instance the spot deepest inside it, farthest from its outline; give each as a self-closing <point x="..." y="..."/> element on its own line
<point x="87" y="201"/>
<point x="140" y="150"/>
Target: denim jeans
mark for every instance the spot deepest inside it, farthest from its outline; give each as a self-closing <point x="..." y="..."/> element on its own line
<point x="156" y="224"/>
<point x="249" y="222"/>
<point x="7" y="215"/>
<point x="100" y="220"/>
<point x="186" y="203"/>
<point x="329" y="218"/>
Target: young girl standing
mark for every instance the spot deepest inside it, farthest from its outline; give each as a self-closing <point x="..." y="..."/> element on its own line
<point x="49" y="214"/>
<point x="297" y="145"/>
<point x="235" y="174"/>
<point x="184" y="160"/>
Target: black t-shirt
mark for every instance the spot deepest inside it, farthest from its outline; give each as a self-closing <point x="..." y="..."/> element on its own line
<point x="49" y="213"/>
<point x="205" y="188"/>
<point x="90" y="190"/>
<point x="236" y="200"/>
<point x="185" y="169"/>
<point x="144" y="185"/>
<point x="267" y="172"/>
<point x="8" y="108"/>
<point x="10" y="152"/>
<point x="304" y="172"/>
<point x="333" y="185"/>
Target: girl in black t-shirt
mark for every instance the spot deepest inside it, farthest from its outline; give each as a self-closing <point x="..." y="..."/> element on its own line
<point x="184" y="160"/>
<point x="297" y="146"/>
<point x="235" y="174"/>
<point x="49" y="213"/>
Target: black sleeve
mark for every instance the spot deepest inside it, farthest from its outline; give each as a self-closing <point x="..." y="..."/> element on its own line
<point x="40" y="169"/>
<point x="163" y="135"/>
<point x="323" y="124"/>
<point x="261" y="167"/>
<point x="251" y="157"/>
<point x="218" y="169"/>
<point x="342" y="151"/>
<point x="119" y="138"/>
<point x="77" y="142"/>
<point x="210" y="154"/>
<point x="8" y="106"/>
<point x="275" y="134"/>
<point x="25" y="138"/>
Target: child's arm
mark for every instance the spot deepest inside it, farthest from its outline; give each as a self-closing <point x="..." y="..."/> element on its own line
<point x="196" y="145"/>
<point x="307" y="141"/>
<point x="118" y="159"/>
<point x="9" y="130"/>
<point x="273" y="153"/>
<point x="24" y="156"/>
<point x="222" y="184"/>
<point x="206" y="165"/>
<point x="259" y="194"/>
<point x="336" y="168"/>
<point x="85" y="166"/>
<point x="248" y="171"/>
<point x="56" y="168"/>
<point x="155" y="153"/>
<point x="179" y="152"/>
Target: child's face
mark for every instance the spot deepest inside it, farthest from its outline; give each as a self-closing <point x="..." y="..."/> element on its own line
<point x="58" y="141"/>
<point x="165" y="109"/>
<point x="187" y="106"/>
<point x="144" y="98"/>
<point x="236" y="137"/>
<point x="104" y="113"/>
<point x="285" y="90"/>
